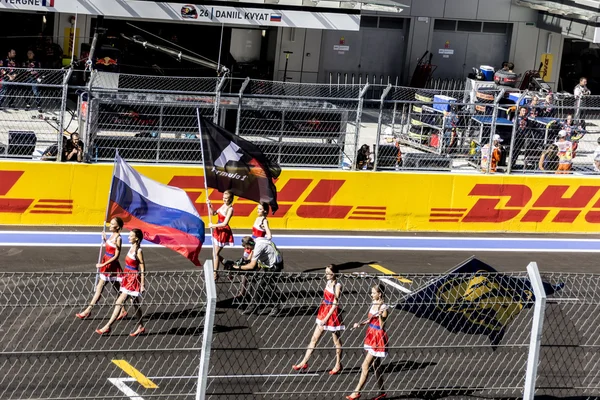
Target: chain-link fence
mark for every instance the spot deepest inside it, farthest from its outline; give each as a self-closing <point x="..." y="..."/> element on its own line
<point x="480" y="335"/>
<point x="476" y="127"/>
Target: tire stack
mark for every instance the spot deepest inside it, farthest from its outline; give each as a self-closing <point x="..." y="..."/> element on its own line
<point x="417" y="131"/>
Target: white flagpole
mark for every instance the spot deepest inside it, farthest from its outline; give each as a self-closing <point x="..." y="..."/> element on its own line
<point x="215" y="267"/>
<point x="105" y="217"/>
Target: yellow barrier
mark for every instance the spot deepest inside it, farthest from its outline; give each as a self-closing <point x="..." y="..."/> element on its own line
<point x="36" y="193"/>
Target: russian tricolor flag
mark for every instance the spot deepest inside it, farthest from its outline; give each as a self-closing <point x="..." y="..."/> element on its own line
<point x="275" y="17"/>
<point x="164" y="213"/>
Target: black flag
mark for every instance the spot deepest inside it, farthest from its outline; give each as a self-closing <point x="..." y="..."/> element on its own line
<point x="232" y="163"/>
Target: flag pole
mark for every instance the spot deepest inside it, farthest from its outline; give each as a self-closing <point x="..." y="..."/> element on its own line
<point x="215" y="267"/>
<point x="106" y="216"/>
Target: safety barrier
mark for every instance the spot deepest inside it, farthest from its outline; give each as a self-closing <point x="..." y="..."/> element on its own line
<point x="37" y="193"/>
<point x="492" y="335"/>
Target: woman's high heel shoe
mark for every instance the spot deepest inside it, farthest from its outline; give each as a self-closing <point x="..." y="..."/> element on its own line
<point x="299" y="367"/>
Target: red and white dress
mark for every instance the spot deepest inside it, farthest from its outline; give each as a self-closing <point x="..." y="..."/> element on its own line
<point x="112" y="271"/>
<point x="222" y="236"/>
<point x="131" y="282"/>
<point x="258" y="230"/>
<point x="334" y="323"/>
<point x="376" y="339"/>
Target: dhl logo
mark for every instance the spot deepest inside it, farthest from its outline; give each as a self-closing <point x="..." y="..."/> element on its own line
<point x="8" y="179"/>
<point x="314" y="199"/>
<point x="498" y="203"/>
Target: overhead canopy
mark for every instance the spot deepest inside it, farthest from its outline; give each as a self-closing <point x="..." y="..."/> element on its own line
<point x="588" y="10"/>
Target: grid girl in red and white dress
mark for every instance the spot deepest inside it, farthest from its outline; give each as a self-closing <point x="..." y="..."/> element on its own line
<point x="221" y="235"/>
<point x="132" y="284"/>
<point x="109" y="269"/>
<point x="376" y="341"/>
<point x="329" y="318"/>
<point x="261" y="224"/>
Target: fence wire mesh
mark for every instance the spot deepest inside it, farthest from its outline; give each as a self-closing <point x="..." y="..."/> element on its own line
<point x="570" y="353"/>
<point x="31" y="103"/>
<point x="48" y="353"/>
<point x="451" y="355"/>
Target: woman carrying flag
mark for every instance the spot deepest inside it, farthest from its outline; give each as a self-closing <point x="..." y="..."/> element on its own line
<point x="132" y="284"/>
<point x="109" y="269"/>
<point x="376" y="341"/>
<point x="222" y="235"/>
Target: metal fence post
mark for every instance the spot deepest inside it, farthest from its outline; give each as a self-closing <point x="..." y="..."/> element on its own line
<point x="378" y="137"/>
<point x="218" y="99"/>
<point x="361" y="96"/>
<point x="239" y="111"/>
<point x="61" y="116"/>
<point x="493" y="131"/>
<point x="536" y="331"/>
<point x="209" y="318"/>
<point x="88" y="113"/>
<point x="514" y="134"/>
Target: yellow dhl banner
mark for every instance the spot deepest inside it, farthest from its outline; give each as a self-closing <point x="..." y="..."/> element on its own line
<point x="37" y="193"/>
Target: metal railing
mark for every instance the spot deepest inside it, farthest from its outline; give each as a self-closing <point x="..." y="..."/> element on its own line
<point x="506" y="335"/>
<point x="474" y="127"/>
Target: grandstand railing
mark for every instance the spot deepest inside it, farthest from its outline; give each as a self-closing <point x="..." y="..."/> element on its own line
<point x="488" y="335"/>
<point x="153" y="119"/>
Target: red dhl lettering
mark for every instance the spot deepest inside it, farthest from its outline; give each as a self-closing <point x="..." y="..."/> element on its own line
<point x="518" y="200"/>
<point x="8" y="179"/>
<point x="314" y="203"/>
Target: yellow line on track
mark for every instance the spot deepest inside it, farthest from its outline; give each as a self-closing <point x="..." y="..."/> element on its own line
<point x="389" y="272"/>
<point x="135" y="374"/>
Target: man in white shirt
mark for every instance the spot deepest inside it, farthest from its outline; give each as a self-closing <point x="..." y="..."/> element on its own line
<point x="267" y="259"/>
<point x="596" y="157"/>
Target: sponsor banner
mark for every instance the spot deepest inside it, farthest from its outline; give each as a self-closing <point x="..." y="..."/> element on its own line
<point x="131" y="9"/>
<point x="37" y="193"/>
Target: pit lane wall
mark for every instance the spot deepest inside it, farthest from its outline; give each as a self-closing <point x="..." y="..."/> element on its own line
<point x="38" y="193"/>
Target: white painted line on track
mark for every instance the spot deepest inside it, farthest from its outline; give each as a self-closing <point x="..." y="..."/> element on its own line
<point x="394" y="284"/>
<point x="120" y="384"/>
<point x="345" y="248"/>
<point x="223" y="376"/>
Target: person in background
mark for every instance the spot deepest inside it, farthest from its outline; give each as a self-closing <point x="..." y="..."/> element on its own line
<point x="9" y="75"/>
<point x="496" y="154"/>
<point x="363" y="159"/>
<point x="261" y="224"/>
<point x="534" y="107"/>
<point x="53" y="54"/>
<point x="74" y="149"/>
<point x="547" y="110"/>
<point x="580" y="91"/>
<point x="565" y="153"/>
<point x="33" y="78"/>
<point x="450" y="125"/>
<point x="521" y="135"/>
<point x="549" y="159"/>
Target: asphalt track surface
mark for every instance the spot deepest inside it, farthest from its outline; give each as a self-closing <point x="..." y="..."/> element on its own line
<point x="87" y="372"/>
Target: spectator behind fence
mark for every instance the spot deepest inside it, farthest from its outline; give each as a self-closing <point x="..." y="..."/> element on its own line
<point x="495" y="156"/>
<point x="565" y="153"/>
<point x="548" y="110"/>
<point x="34" y="78"/>
<point x="363" y="159"/>
<point x="521" y="135"/>
<point x="534" y="107"/>
<point x="580" y="92"/>
<point x="74" y="149"/>
<point x="9" y="74"/>
<point x="549" y="159"/>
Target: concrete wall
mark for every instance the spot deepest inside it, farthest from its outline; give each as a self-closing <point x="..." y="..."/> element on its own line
<point x="425" y="11"/>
